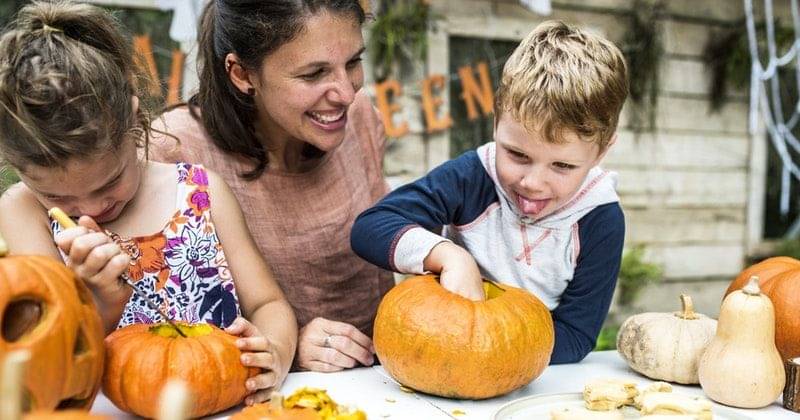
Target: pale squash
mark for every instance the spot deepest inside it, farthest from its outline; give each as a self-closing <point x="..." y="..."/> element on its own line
<point x="666" y="346"/>
<point x="741" y="366"/>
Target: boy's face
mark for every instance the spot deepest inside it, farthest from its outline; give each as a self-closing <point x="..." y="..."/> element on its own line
<point x="537" y="176"/>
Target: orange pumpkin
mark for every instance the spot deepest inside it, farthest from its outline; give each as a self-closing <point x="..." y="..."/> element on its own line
<point x="64" y="415"/>
<point x="47" y="311"/>
<point x="778" y="278"/>
<point x="440" y="343"/>
<point x="141" y="358"/>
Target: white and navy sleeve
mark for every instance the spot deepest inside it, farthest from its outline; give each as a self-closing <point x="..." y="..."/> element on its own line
<point x="400" y="231"/>
<point x="584" y="304"/>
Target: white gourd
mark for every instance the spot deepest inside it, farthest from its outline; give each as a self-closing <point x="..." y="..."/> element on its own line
<point x="666" y="346"/>
<point x="741" y="366"/>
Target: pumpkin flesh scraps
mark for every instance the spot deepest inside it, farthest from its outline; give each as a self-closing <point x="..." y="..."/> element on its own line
<point x="305" y="403"/>
<point x="189" y="331"/>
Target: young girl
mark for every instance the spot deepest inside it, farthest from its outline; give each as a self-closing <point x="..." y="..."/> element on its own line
<point x="72" y="127"/>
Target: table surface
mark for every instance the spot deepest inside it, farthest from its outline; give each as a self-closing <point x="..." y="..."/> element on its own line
<point x="374" y="391"/>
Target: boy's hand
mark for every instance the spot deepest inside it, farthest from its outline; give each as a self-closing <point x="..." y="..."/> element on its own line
<point x="95" y="258"/>
<point x="258" y="352"/>
<point x="457" y="270"/>
<point x="328" y="346"/>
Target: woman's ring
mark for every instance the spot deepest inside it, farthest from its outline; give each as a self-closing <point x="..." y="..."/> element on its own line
<point x="327" y="341"/>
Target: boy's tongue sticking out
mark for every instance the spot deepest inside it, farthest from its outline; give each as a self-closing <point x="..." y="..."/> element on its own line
<point x="531" y="207"/>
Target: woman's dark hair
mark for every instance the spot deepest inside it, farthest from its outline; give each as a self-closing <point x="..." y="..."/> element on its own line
<point x="67" y="77"/>
<point x="251" y="29"/>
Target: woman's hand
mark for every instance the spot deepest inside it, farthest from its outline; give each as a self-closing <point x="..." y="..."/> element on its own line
<point x="458" y="271"/>
<point x="96" y="259"/>
<point x="328" y="346"/>
<point x="258" y="352"/>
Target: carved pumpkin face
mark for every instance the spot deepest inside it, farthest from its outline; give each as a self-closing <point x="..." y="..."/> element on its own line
<point x="46" y="310"/>
<point x="443" y="344"/>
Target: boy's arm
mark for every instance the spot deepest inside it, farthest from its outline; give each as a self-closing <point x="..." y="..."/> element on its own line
<point x="261" y="299"/>
<point x="584" y="304"/>
<point x="398" y="232"/>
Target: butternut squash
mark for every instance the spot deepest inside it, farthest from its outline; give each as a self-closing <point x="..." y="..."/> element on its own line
<point x="741" y="367"/>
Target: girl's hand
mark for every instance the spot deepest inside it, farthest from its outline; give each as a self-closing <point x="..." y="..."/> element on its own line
<point x="258" y="352"/>
<point x="96" y="259"/>
<point x="328" y="346"/>
<point x="458" y="271"/>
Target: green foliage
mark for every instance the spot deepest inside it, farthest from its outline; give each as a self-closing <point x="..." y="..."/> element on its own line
<point x="635" y="274"/>
<point x="8" y="177"/>
<point x="398" y="35"/>
<point x="727" y="56"/>
<point x="643" y="49"/>
<point x="607" y="340"/>
<point x="789" y="248"/>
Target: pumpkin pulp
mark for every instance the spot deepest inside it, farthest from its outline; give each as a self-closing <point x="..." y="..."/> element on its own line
<point x="190" y="331"/>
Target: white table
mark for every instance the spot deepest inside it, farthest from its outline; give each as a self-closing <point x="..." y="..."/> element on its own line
<point x="372" y="390"/>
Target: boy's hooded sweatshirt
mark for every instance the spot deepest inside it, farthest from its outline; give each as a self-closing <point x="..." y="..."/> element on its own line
<point x="568" y="259"/>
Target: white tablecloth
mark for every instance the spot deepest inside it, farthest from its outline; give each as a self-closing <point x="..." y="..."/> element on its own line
<point x="373" y="391"/>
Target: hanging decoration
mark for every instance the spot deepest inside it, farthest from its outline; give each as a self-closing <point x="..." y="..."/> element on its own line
<point x="766" y="100"/>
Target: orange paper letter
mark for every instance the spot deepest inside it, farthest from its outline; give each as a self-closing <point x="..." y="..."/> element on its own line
<point x="472" y="91"/>
<point x="388" y="108"/>
<point x="431" y="104"/>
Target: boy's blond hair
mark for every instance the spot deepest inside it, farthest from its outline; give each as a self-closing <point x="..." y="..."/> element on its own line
<point x="560" y="77"/>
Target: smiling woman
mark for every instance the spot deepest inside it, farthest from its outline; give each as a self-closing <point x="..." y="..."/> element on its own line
<point x="281" y="116"/>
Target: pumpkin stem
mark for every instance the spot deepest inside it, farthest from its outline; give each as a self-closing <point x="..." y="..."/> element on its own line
<point x="11" y="384"/>
<point x="3" y="247"/>
<point x="752" y="288"/>
<point x="688" y="308"/>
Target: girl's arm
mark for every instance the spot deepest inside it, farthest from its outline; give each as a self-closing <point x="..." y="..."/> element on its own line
<point x="271" y="344"/>
<point x="90" y="253"/>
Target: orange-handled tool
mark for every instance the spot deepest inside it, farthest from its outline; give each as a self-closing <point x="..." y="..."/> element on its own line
<point x="66" y="223"/>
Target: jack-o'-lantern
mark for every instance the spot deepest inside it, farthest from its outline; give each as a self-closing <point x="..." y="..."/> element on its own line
<point x="47" y="311"/>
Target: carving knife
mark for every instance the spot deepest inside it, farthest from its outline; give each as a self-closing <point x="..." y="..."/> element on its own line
<point x="68" y="223"/>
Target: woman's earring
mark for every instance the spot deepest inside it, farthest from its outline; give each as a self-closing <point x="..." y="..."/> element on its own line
<point x="251" y="92"/>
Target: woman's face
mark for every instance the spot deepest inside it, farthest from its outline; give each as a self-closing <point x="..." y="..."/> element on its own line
<point x="304" y="87"/>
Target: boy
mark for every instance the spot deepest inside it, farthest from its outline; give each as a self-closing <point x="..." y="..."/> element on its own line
<point x="531" y="209"/>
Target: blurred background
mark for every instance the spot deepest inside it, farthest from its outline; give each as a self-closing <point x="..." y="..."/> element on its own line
<point x="706" y="190"/>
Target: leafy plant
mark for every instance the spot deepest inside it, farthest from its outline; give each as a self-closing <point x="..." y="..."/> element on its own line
<point x="643" y="48"/>
<point x="727" y="56"/>
<point x="398" y="35"/>
<point x="607" y="340"/>
<point x="789" y="248"/>
<point x="635" y="274"/>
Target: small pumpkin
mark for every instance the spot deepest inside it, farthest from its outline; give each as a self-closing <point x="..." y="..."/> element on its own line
<point x="779" y="278"/>
<point x="141" y="358"/>
<point x="666" y="346"/>
<point x="438" y="342"/>
<point x="741" y="366"/>
<point x="47" y="311"/>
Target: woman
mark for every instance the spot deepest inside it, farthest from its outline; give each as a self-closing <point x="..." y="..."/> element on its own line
<point x="279" y="115"/>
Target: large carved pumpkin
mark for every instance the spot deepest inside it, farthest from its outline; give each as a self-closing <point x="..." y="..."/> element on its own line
<point x="779" y="278"/>
<point x="141" y="358"/>
<point x="47" y="311"/>
<point x="437" y="342"/>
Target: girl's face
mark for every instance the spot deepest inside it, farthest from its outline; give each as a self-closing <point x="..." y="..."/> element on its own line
<point x="304" y="87"/>
<point x="99" y="187"/>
